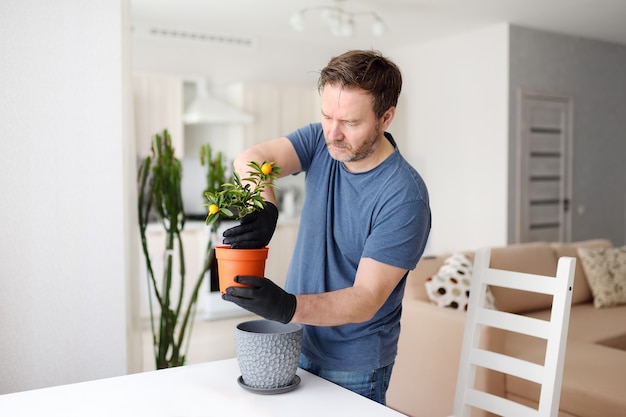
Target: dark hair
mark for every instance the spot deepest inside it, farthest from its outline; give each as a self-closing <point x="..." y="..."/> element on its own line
<point x="368" y="70"/>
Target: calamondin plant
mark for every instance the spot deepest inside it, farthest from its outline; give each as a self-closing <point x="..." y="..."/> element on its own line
<point x="242" y="196"/>
<point x="241" y="261"/>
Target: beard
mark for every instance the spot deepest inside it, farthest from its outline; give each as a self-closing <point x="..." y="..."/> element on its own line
<point x="343" y="152"/>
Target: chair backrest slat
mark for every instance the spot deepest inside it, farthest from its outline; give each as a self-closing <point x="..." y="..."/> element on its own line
<point x="498" y="405"/>
<point x="521" y="281"/>
<point x="507" y="365"/>
<point x="514" y="323"/>
<point x="548" y="375"/>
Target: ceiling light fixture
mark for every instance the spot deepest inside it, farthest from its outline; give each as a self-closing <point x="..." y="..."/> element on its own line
<point x="339" y="21"/>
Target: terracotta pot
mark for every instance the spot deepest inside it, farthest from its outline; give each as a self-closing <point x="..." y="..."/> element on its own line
<point x="233" y="262"/>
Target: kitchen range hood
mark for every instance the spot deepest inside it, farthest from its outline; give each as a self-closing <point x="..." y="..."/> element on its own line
<point x="207" y="109"/>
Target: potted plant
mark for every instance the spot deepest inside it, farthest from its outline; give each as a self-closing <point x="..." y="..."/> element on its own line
<point x="159" y="180"/>
<point x="235" y="200"/>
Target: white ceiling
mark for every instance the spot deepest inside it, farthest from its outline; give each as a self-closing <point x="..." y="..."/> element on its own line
<point x="271" y="51"/>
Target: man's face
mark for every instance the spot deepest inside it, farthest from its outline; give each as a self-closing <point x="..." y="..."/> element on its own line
<point x="351" y="129"/>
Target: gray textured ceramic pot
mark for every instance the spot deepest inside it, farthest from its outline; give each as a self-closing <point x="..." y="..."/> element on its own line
<point x="268" y="352"/>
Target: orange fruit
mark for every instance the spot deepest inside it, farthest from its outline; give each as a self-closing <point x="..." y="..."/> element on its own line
<point x="266" y="168"/>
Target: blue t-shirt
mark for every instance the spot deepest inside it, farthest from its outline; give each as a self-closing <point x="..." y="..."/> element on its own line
<point x="382" y="214"/>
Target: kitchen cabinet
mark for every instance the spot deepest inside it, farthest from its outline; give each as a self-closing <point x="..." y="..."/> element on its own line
<point x="299" y="106"/>
<point x="278" y="110"/>
<point x="195" y="239"/>
<point x="158" y="105"/>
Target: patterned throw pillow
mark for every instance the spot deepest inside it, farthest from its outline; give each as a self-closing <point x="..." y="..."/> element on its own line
<point x="450" y="286"/>
<point x="605" y="269"/>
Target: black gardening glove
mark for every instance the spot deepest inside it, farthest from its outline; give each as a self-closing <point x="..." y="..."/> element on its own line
<point x="263" y="297"/>
<point x="255" y="230"/>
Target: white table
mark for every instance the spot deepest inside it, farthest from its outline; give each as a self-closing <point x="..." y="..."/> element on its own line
<point x="208" y="389"/>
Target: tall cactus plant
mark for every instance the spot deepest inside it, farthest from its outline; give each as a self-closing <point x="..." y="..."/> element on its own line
<point x="159" y="180"/>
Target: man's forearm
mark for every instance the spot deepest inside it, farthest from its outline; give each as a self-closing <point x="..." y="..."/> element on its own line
<point x="335" y="308"/>
<point x="373" y="285"/>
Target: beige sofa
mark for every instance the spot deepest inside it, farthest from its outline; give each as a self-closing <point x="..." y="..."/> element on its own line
<point x="594" y="379"/>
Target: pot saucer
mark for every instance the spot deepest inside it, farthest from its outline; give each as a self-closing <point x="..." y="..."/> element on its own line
<point x="270" y="391"/>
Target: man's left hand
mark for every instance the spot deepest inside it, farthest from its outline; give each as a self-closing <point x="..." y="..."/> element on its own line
<point x="255" y="230"/>
<point x="262" y="297"/>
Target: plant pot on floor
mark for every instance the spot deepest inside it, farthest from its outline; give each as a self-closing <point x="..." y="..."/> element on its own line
<point x="233" y="262"/>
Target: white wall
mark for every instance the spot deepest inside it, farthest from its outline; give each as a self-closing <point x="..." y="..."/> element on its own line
<point x="64" y="183"/>
<point x="456" y="97"/>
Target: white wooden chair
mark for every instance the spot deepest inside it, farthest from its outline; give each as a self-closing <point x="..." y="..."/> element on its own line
<point x="549" y="375"/>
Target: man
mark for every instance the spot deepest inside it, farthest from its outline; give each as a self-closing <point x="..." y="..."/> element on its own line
<point x="364" y="225"/>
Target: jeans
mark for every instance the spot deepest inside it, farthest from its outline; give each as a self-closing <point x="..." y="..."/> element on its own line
<point x="371" y="384"/>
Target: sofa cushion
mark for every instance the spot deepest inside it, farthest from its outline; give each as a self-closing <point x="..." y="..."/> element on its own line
<point x="605" y="269"/>
<point x="589" y="324"/>
<point x="593" y="380"/>
<point x="534" y="258"/>
<point x="450" y="286"/>
<point x="582" y="291"/>
<point x="426" y="267"/>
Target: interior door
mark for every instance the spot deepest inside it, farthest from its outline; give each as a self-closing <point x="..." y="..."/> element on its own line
<point x="545" y="164"/>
